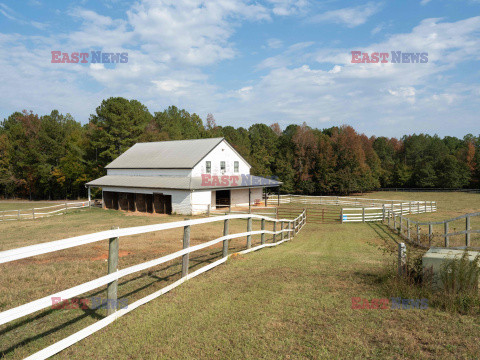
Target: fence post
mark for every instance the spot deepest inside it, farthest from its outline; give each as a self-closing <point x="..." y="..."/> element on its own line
<point x="401" y="211"/>
<point x="418" y="207"/>
<point x="249" y="229"/>
<point x="467" y="228"/>
<point x="281" y="229"/>
<point x="33" y="213"/>
<point x="289" y="232"/>
<point x="388" y="218"/>
<point x="186" y="244"/>
<point x="304" y="216"/>
<point x="18" y="214"/>
<point x="418" y="234"/>
<point x="363" y="214"/>
<point x="274" y="230"/>
<point x="66" y="207"/>
<point x="394" y="221"/>
<point x="425" y="206"/>
<point x="276" y="213"/>
<point x="408" y="229"/>
<point x="263" y="234"/>
<point x="208" y="210"/>
<point x="112" y="287"/>
<point x="409" y="207"/>
<point x="446" y="234"/>
<point x="341" y="216"/>
<point x="401" y="225"/>
<point x="383" y="213"/>
<point x="402" y="259"/>
<point x="225" y="233"/>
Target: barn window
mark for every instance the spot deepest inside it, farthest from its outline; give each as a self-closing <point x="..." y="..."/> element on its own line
<point x="208" y="167"/>
<point x="222" y="166"/>
<point x="235" y="166"/>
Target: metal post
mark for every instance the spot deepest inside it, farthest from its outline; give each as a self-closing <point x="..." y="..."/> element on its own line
<point x="249" y="229"/>
<point x="446" y="234"/>
<point x="467" y="228"/>
<point x="388" y="218"/>
<point x="186" y="244"/>
<point x="89" y="198"/>
<point x="402" y="259"/>
<point x="225" y="233"/>
<point x="394" y="221"/>
<point x="112" y="287"/>
<point x="363" y="214"/>
<point x="263" y="234"/>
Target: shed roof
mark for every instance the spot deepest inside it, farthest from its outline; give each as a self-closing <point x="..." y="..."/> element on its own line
<point x="175" y="154"/>
<point x="179" y="182"/>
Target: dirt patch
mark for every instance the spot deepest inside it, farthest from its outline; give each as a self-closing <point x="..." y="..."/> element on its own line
<point x="104" y="255"/>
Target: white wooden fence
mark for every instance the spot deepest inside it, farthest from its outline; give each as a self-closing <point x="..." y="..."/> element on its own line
<point x="361" y="209"/>
<point x="40" y="212"/>
<point x="364" y="214"/>
<point x="288" y="229"/>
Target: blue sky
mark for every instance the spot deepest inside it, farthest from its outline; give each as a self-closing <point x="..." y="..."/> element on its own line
<point x="285" y="61"/>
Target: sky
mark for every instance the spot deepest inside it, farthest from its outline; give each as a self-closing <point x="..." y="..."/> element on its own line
<point x="246" y="62"/>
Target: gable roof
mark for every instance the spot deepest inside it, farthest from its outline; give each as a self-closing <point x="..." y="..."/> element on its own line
<point x="174" y="154"/>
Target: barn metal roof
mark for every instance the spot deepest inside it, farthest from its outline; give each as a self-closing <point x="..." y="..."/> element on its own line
<point x="176" y="154"/>
<point x="179" y="182"/>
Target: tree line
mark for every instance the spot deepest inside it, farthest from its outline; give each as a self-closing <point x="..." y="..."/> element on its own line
<point x="53" y="156"/>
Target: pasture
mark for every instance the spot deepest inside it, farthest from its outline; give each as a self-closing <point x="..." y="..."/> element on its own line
<point x="292" y="301"/>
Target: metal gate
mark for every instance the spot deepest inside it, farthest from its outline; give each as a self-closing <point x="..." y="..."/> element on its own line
<point x="318" y="215"/>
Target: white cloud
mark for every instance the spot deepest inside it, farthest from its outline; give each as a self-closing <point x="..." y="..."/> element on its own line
<point x="288" y="7"/>
<point x="424" y="2"/>
<point x="350" y="16"/>
<point x="274" y="43"/>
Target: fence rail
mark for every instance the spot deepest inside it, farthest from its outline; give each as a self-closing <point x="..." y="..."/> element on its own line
<point x="365" y="214"/>
<point x="411" y="230"/>
<point x="40" y="212"/>
<point x="288" y="229"/>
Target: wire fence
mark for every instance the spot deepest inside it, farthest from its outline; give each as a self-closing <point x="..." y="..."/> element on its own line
<point x="460" y="232"/>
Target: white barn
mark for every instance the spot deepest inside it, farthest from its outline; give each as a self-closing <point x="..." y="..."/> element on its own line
<point x="184" y="177"/>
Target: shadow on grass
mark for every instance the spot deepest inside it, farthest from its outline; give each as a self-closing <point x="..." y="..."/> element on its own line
<point x="195" y="262"/>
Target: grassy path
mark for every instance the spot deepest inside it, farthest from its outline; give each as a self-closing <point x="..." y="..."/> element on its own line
<point x="290" y="302"/>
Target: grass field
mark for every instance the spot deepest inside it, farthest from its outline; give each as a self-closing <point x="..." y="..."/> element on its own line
<point x="292" y="301"/>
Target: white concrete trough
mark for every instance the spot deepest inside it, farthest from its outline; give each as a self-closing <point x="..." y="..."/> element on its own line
<point x="434" y="258"/>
